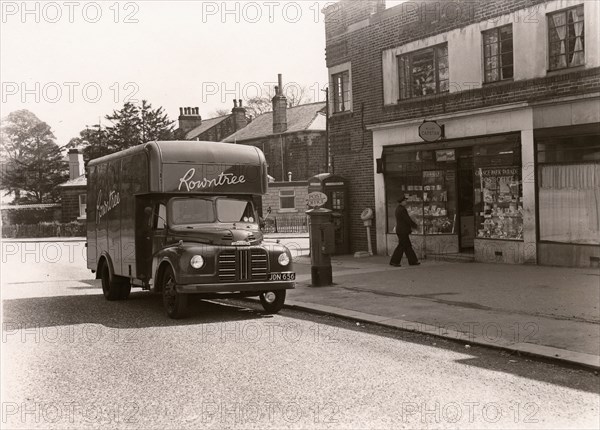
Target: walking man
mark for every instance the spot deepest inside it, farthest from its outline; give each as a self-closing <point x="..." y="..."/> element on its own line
<point x="404" y="225"/>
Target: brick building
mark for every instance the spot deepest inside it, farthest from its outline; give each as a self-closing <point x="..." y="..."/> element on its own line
<point x="293" y="140"/>
<point x="193" y="127"/>
<point x="485" y="115"/>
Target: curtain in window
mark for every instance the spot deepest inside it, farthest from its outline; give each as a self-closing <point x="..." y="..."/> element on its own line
<point x="569" y="203"/>
<point x="561" y="31"/>
<point x="578" y="54"/>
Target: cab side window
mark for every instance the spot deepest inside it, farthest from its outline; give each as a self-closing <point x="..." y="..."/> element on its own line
<point x="162" y="216"/>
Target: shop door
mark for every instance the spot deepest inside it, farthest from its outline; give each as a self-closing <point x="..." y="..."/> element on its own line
<point x="466" y="201"/>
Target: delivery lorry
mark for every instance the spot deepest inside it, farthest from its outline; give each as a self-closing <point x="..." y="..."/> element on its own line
<point x="179" y="218"/>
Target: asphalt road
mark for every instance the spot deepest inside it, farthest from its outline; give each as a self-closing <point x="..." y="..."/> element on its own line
<point x="73" y="360"/>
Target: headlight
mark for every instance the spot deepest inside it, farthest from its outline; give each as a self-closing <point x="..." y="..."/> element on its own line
<point x="197" y="261"/>
<point x="283" y="259"/>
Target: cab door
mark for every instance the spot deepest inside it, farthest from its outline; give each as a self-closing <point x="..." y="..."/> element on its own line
<point x="150" y="234"/>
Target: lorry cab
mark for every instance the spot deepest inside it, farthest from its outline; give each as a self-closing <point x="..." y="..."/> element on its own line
<point x="178" y="218"/>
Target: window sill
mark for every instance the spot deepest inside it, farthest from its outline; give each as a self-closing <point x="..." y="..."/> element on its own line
<point x="346" y="113"/>
<point x="497" y="83"/>
<point x="564" y="71"/>
<point x="287" y="211"/>
<point x="418" y="99"/>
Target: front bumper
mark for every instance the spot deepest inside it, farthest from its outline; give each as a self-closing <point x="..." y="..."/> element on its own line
<point x="234" y="288"/>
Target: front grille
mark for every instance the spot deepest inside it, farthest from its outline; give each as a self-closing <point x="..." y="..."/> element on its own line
<point x="241" y="265"/>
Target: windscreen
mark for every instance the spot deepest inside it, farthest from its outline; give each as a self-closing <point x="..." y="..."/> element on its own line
<point x="192" y="211"/>
<point x="235" y="210"/>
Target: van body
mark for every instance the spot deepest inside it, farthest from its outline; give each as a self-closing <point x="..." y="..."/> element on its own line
<point x="178" y="217"/>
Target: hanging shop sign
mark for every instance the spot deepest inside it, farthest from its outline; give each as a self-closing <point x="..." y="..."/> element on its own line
<point x="431" y="131"/>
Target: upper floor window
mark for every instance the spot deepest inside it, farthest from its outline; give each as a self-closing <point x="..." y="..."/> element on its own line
<point x="341" y="91"/>
<point x="566" y="38"/>
<point x="424" y="72"/>
<point x="498" y="53"/>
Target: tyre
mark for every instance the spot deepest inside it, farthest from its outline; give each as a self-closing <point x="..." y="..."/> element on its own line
<point x="125" y="288"/>
<point x="176" y="304"/>
<point x="272" y="301"/>
<point x="115" y="287"/>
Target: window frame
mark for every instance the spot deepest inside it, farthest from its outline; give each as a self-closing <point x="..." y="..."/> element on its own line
<point x="82" y="206"/>
<point x="283" y="196"/>
<point x="499" y="65"/>
<point x="549" y="19"/>
<point x="436" y="58"/>
<point x="343" y="92"/>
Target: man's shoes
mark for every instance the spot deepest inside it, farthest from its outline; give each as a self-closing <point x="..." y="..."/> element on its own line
<point x="395" y="265"/>
<point x="416" y="264"/>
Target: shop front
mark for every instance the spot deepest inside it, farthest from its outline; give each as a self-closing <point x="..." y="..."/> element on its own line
<point x="516" y="184"/>
<point x="568" y="195"/>
<point x="465" y="195"/>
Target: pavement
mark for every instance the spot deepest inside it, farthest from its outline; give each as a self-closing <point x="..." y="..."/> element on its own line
<point x="548" y="312"/>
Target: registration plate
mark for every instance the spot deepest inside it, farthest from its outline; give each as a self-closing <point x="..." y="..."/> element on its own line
<point x="283" y="276"/>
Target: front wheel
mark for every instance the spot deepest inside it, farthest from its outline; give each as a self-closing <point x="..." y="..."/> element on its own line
<point x="175" y="303"/>
<point x="272" y="301"/>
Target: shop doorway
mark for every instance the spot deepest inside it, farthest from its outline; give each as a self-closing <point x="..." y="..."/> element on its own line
<point x="466" y="200"/>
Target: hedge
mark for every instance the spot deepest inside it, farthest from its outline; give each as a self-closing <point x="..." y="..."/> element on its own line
<point x="44" y="229"/>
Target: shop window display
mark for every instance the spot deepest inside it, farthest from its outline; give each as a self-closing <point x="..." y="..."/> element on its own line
<point x="499" y="190"/>
<point x="430" y="194"/>
<point x="501" y="216"/>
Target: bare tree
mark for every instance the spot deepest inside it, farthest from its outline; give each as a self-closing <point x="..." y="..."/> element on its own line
<point x="296" y="95"/>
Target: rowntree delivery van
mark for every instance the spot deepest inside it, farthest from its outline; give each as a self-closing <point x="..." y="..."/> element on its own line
<point x="178" y="218"/>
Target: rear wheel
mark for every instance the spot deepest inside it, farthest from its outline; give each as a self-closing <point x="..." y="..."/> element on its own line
<point x="115" y="287"/>
<point x="176" y="304"/>
<point x="272" y="301"/>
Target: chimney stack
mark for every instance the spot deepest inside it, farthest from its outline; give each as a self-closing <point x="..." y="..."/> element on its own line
<point x="239" y="115"/>
<point x="76" y="166"/>
<point x="279" y="108"/>
<point x="189" y="118"/>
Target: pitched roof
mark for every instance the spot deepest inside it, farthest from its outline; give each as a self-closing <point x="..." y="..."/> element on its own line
<point x="299" y="118"/>
<point x="206" y="125"/>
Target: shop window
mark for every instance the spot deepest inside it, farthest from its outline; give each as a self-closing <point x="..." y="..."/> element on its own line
<point x="287" y="199"/>
<point x="499" y="192"/>
<point x="82" y="205"/>
<point x="341" y="92"/>
<point x="424" y="72"/>
<point x="429" y="187"/>
<point x="498" y="54"/>
<point x="569" y="190"/>
<point x="566" y="38"/>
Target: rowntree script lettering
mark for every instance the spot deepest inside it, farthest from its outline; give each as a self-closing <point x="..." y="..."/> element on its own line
<point x="189" y="184"/>
<point x="105" y="206"/>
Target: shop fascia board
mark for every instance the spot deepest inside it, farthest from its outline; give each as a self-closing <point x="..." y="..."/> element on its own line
<point x="460" y="114"/>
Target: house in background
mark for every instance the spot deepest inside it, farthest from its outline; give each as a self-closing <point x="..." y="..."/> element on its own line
<point x="73" y="192"/>
<point x="294" y="141"/>
<point x="193" y="127"/>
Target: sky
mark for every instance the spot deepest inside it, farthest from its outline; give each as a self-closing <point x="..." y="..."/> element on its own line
<point x="71" y="63"/>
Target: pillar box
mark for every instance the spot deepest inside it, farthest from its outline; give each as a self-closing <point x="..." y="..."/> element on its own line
<point x="322" y="245"/>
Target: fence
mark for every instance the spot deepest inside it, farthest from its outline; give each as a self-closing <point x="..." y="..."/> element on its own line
<point x="292" y="223"/>
<point x="44" y="229"/>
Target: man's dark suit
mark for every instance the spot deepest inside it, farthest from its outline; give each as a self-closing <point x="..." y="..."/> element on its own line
<point x="404" y="225"/>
